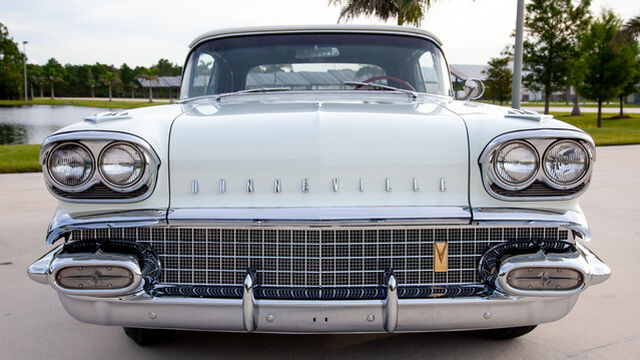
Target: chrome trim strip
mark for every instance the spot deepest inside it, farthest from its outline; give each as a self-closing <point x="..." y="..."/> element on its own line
<point x="62" y="224"/>
<point x="96" y="142"/>
<point x="599" y="272"/>
<point x="541" y="140"/>
<point x="205" y="216"/>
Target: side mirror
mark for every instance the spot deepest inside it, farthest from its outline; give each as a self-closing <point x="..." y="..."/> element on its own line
<point x="473" y="89"/>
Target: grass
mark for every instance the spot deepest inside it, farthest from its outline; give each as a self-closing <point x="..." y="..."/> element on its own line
<point x="612" y="132"/>
<point x="84" y="102"/>
<point x="24" y="158"/>
<point x="19" y="158"/>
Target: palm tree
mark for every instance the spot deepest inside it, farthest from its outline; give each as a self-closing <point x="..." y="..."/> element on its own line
<point x="38" y="80"/>
<point x="150" y="75"/>
<point x="629" y="31"/>
<point x="109" y="79"/>
<point x="133" y="88"/>
<point x="52" y="80"/>
<point x="409" y="11"/>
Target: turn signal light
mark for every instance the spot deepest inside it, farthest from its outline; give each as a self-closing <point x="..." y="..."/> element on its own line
<point x="544" y="278"/>
<point x="94" y="277"/>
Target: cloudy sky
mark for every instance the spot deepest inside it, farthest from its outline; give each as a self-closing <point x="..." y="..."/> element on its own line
<point x="139" y="32"/>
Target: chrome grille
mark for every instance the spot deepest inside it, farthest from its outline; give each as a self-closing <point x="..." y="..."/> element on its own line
<point x="312" y="257"/>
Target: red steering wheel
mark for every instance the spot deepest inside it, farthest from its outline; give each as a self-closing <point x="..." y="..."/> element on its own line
<point x="385" y="77"/>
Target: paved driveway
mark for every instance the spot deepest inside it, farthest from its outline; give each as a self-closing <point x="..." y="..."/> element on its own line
<point x="604" y="324"/>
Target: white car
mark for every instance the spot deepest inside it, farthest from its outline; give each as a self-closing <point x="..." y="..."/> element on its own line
<point x="319" y="179"/>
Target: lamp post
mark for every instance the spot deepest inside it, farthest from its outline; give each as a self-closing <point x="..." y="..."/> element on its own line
<point x="24" y="50"/>
<point x="516" y="93"/>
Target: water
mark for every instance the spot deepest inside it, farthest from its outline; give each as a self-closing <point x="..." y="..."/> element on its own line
<point x="32" y="123"/>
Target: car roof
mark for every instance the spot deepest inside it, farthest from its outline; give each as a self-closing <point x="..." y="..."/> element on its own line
<point x="380" y="29"/>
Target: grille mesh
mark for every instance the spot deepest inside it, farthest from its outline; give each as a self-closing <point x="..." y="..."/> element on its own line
<point x="312" y="257"/>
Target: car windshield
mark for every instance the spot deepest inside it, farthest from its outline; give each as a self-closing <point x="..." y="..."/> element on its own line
<point x="315" y="61"/>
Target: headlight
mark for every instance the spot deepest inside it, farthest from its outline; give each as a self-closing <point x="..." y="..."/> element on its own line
<point x="70" y="165"/>
<point x="121" y="165"/>
<point x="566" y="162"/>
<point x="516" y="163"/>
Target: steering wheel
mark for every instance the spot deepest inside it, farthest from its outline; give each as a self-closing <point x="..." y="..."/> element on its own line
<point x="385" y="77"/>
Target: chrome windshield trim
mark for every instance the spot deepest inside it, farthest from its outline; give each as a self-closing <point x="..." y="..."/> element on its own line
<point x="439" y="214"/>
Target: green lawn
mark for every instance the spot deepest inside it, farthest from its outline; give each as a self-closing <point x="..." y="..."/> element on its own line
<point x="612" y="132"/>
<point x="83" y="102"/>
<point x="19" y="158"/>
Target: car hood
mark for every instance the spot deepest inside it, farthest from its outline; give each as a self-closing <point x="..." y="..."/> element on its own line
<point x="257" y="151"/>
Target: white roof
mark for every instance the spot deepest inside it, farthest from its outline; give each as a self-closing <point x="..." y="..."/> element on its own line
<point x="315" y="28"/>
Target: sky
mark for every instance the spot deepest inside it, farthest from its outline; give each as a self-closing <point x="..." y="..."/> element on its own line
<point x="139" y="32"/>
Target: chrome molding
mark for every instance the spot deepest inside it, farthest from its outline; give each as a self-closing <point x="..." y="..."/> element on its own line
<point x="207" y="216"/>
<point x="39" y="270"/>
<point x="95" y="142"/>
<point x="540" y="140"/>
<point x="391" y="305"/>
<point x="63" y="224"/>
<point x="248" y="300"/>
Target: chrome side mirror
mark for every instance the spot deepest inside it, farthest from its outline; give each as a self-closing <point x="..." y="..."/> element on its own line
<point x="473" y="89"/>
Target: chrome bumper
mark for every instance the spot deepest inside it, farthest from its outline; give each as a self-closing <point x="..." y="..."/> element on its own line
<point x="278" y="316"/>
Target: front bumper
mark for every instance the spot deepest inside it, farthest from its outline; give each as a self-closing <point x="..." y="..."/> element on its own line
<point x="496" y="309"/>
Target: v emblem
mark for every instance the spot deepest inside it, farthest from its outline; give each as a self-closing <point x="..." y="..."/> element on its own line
<point x="440" y="252"/>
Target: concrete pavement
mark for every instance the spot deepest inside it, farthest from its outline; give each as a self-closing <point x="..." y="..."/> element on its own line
<point x="605" y="323"/>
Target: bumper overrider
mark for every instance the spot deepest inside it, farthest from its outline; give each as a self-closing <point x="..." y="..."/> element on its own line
<point x="118" y="282"/>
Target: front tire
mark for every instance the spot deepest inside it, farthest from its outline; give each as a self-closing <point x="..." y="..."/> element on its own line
<point x="506" y="333"/>
<point x="144" y="337"/>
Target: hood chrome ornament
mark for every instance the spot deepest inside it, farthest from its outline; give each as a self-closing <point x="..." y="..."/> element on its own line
<point x="305" y="185"/>
<point x="277" y="186"/>
<point x="336" y="184"/>
<point x="222" y="185"/>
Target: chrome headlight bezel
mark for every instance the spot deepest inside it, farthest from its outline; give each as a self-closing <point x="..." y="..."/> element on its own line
<point x="553" y="182"/>
<point x="70" y="188"/>
<point x="95" y="142"/>
<point x="541" y="140"/>
<point x="114" y="186"/>
<point x="512" y="185"/>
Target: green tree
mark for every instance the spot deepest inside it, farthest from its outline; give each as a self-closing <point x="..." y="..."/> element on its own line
<point x="109" y="79"/>
<point x="11" y="62"/>
<point x="53" y="72"/>
<point x="629" y="31"/>
<point x="605" y="68"/>
<point x="499" y="77"/>
<point x="35" y="78"/>
<point x="631" y="86"/>
<point x="551" y="42"/>
<point x="405" y="11"/>
<point x="166" y="68"/>
<point x="151" y="76"/>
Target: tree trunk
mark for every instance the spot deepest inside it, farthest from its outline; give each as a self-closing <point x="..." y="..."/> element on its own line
<point x="547" y="98"/>
<point x="109" y="92"/>
<point x="576" y="106"/>
<point x="31" y="91"/>
<point x="41" y="92"/>
<point x="599" y="113"/>
<point x="133" y="93"/>
<point x="621" y="105"/>
<point x="150" y="92"/>
<point x="53" y="95"/>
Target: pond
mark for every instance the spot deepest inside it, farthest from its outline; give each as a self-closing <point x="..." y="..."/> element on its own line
<point x="32" y="123"/>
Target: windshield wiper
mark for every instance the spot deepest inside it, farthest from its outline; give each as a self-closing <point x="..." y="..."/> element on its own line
<point x="382" y="86"/>
<point x="256" y="90"/>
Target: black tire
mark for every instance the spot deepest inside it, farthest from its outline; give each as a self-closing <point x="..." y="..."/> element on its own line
<point x="506" y="333"/>
<point x="144" y="337"/>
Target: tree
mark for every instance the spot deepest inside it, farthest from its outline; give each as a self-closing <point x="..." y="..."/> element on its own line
<point x="10" y="66"/>
<point x="109" y="79"/>
<point x="151" y="76"/>
<point x="166" y="68"/>
<point x="409" y="11"/>
<point x="92" y="83"/>
<point x="132" y="86"/>
<point x="605" y="68"/>
<point x="551" y="30"/>
<point x="53" y="72"/>
<point x="629" y="31"/>
<point x="499" y="77"/>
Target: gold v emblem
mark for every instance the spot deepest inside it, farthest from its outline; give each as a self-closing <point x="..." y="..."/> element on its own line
<point x="440" y="252"/>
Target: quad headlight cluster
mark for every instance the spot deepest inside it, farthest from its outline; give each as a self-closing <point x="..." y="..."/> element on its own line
<point x="86" y="165"/>
<point x="537" y="165"/>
